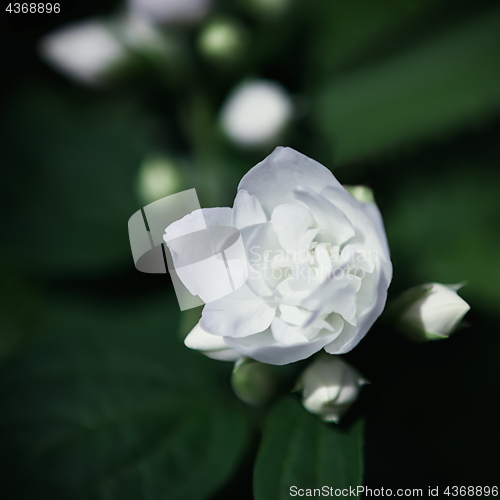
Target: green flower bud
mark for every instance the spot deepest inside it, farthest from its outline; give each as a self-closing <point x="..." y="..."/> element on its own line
<point x="158" y="177"/>
<point x="361" y="193"/>
<point x="222" y="40"/>
<point x="253" y="382"/>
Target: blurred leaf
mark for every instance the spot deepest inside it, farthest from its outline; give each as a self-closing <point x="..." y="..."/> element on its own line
<point x="299" y="450"/>
<point x="445" y="230"/>
<point x="72" y="166"/>
<point x="439" y="85"/>
<point x="112" y="405"/>
<point x="343" y="30"/>
<point x="21" y="311"/>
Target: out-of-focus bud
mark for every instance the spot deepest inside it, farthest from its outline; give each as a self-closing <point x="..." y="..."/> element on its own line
<point x="222" y="40"/>
<point x="256" y="112"/>
<point x="268" y="7"/>
<point x="429" y="312"/>
<point x="158" y="177"/>
<point x="210" y="345"/>
<point x="170" y="11"/>
<point x="329" y="386"/>
<point x="84" y="50"/>
<point x="361" y="193"/>
<point x="139" y="34"/>
<point x="253" y="382"/>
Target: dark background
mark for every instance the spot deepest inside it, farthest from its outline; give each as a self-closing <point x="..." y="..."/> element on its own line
<point x="401" y="96"/>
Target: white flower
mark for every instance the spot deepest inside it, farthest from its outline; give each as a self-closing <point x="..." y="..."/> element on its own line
<point x="83" y="50"/>
<point x="88" y="50"/>
<point x="329" y="387"/>
<point x="319" y="264"/>
<point x="435" y="313"/>
<point x="256" y="112"/>
<point x="169" y="11"/>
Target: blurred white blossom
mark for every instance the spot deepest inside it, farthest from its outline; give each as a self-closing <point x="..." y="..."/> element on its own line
<point x="169" y="11"/>
<point x="256" y="112"/>
<point x="434" y="313"/>
<point x="329" y="386"/>
<point x="88" y="50"/>
<point x="83" y="50"/>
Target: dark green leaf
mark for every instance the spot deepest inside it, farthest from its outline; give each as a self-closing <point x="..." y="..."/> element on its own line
<point x="443" y="230"/>
<point x="72" y="171"/>
<point x="299" y="450"/>
<point x="446" y="82"/>
<point x="113" y="406"/>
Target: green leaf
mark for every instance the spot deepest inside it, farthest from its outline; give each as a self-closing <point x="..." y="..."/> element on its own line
<point x="445" y="82"/>
<point x="299" y="450"/>
<point x="111" y="405"/>
<point x="344" y="30"/>
<point x="72" y="165"/>
<point x="442" y="231"/>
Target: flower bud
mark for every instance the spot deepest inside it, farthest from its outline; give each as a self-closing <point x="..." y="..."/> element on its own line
<point x="429" y="312"/>
<point x="253" y="382"/>
<point x="169" y="11"/>
<point x="158" y="177"/>
<point x="84" y="50"/>
<point x="329" y="386"/>
<point x="361" y="193"/>
<point x="222" y="40"/>
<point x="256" y="112"/>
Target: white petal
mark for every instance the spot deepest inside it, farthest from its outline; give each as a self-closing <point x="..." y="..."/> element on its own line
<point x="210" y="345"/>
<point x="376" y="287"/>
<point x="337" y="294"/>
<point x="273" y="180"/>
<point x="287" y="334"/>
<point x="239" y="314"/>
<point x="334" y="226"/>
<point x="366" y="219"/>
<point x="218" y="216"/>
<point x="264" y="348"/>
<point x="261" y="244"/>
<point x="247" y="210"/>
<point x="290" y="222"/>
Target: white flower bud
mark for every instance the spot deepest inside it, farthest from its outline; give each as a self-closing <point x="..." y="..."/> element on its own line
<point x="170" y="11"/>
<point x="256" y="112"/>
<point x="83" y="50"/>
<point x="253" y="382"/>
<point x="430" y="312"/>
<point x="329" y="386"/>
